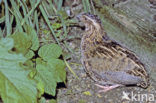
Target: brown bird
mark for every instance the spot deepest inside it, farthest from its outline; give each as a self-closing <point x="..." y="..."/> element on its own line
<point x="107" y="62"/>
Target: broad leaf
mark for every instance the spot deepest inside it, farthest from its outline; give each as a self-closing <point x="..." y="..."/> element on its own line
<point x="45" y="75"/>
<point x="50" y="73"/>
<point x="50" y="51"/>
<point x="7" y="43"/>
<point x="29" y="54"/>
<point x="33" y="36"/>
<point x="42" y="100"/>
<point x="21" y="42"/>
<point x="14" y="82"/>
<point x="58" y="68"/>
<point x="52" y="101"/>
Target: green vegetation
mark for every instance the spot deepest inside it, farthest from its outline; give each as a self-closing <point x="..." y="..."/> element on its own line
<point x="25" y="78"/>
<point x="32" y="33"/>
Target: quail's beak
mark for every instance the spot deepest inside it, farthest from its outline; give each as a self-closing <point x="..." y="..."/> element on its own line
<point x="81" y="24"/>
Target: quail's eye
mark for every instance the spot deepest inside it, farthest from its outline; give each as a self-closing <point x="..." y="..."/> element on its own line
<point x="85" y="18"/>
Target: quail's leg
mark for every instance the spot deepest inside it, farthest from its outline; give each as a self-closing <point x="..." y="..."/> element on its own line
<point x="107" y="88"/>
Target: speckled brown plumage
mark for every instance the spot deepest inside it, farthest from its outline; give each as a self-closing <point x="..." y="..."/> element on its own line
<point x="106" y="61"/>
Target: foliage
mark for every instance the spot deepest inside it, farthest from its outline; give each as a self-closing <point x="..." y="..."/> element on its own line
<point x="29" y="58"/>
<point x="13" y="78"/>
<point x="22" y="75"/>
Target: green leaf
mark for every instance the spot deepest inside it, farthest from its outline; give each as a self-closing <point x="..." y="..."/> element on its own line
<point x="52" y="101"/>
<point x="87" y="93"/>
<point x="7" y="43"/>
<point x="58" y="68"/>
<point x="28" y="65"/>
<point x="40" y="87"/>
<point x="30" y="54"/>
<point x="33" y="37"/>
<point x="50" y="73"/>
<point x="21" y="42"/>
<point x="32" y="74"/>
<point x="45" y="75"/>
<point x="50" y="51"/>
<point x="63" y="14"/>
<point x="42" y="100"/>
<point x="56" y="25"/>
<point x="7" y="21"/>
<point x="14" y="83"/>
<point x="58" y="33"/>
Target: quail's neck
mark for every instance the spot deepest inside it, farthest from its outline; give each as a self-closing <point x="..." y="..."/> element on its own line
<point x="90" y="37"/>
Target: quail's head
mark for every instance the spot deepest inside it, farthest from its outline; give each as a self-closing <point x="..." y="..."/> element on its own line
<point x="89" y="20"/>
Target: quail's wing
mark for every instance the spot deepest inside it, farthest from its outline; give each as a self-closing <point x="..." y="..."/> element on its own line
<point x="115" y="63"/>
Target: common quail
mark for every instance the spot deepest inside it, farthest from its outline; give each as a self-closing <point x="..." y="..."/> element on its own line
<point x="107" y="62"/>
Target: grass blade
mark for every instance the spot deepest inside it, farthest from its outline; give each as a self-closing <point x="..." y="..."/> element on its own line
<point x="59" y="5"/>
<point x="17" y="16"/>
<point x="64" y="26"/>
<point x="48" y="22"/>
<point x="88" y="6"/>
<point x="1" y="33"/>
<point x="36" y="21"/>
<point x="16" y="9"/>
<point x="84" y="5"/>
<point x="52" y="6"/>
<point x="92" y="6"/>
<point x="30" y="12"/>
<point x="70" y="69"/>
<point x="24" y="10"/>
<point x="2" y="19"/>
<point x="7" y="21"/>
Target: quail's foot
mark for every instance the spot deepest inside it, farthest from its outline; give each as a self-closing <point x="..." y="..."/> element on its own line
<point x="107" y="88"/>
